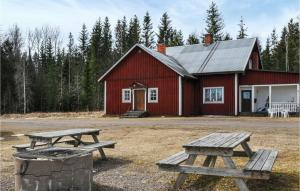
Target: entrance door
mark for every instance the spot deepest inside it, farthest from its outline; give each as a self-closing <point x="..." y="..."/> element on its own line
<point x="246" y="100"/>
<point x="139" y="100"/>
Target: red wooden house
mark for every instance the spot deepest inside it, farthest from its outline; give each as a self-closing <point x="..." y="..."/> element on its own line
<point x="218" y="78"/>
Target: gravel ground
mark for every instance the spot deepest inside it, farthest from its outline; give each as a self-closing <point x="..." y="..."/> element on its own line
<point x="142" y="142"/>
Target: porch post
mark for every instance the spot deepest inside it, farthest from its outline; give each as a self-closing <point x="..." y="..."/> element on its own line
<point x="298" y="94"/>
<point x="270" y="96"/>
<point x="179" y="96"/>
<point x="104" y="107"/>
<point x="235" y="94"/>
<point x="253" y="96"/>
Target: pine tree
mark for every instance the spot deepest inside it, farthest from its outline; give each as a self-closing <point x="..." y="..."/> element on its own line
<point x="293" y="46"/>
<point x="124" y="35"/>
<point x="83" y="41"/>
<point x="227" y="37"/>
<point x="266" y="56"/>
<point x="147" y="33"/>
<point x="176" y="38"/>
<point x="118" y="50"/>
<point x="165" y="30"/>
<point x="274" y="51"/>
<point x="134" y="31"/>
<point x="193" y="39"/>
<point x="8" y="84"/>
<point x="214" y="22"/>
<point x="243" y="30"/>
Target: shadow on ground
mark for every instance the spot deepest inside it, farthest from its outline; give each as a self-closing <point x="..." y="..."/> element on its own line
<point x="7" y="135"/>
<point x="277" y="182"/>
<point x="97" y="187"/>
<point x="111" y="163"/>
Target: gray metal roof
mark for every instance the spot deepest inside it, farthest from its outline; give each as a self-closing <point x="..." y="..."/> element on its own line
<point x="168" y="61"/>
<point x="219" y="57"/>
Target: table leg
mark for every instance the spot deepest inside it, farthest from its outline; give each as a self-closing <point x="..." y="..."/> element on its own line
<point x="213" y="161"/>
<point x="238" y="181"/>
<point x="100" y="149"/>
<point x="78" y="141"/>
<point x="207" y="160"/>
<point x="247" y="149"/>
<point x="32" y="144"/>
<point x="181" y="177"/>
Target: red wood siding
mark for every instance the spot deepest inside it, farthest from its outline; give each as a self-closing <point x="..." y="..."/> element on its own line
<point x="221" y="80"/>
<point x="188" y="97"/>
<point x="252" y="77"/>
<point x="140" y="67"/>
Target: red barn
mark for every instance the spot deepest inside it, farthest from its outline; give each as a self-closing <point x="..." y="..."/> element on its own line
<point x="218" y="78"/>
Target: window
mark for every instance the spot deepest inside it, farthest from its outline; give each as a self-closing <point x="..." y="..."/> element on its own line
<point x="152" y="95"/>
<point x="213" y="95"/>
<point x="126" y="95"/>
<point x="250" y="63"/>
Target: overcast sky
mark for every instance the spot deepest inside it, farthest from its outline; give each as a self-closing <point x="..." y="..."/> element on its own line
<point x="260" y="16"/>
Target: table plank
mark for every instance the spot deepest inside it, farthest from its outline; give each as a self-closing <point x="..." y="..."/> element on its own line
<point x="219" y="140"/>
<point x="61" y="133"/>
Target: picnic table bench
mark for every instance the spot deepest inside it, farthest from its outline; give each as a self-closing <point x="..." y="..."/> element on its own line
<point x="54" y="137"/>
<point x="221" y="145"/>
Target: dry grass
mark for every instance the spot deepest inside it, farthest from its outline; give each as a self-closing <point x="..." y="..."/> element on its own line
<point x="142" y="146"/>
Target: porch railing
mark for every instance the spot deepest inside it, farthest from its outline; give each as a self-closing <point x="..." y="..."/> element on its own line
<point x="279" y="106"/>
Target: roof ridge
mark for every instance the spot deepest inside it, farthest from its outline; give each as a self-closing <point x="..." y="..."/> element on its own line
<point x="209" y="56"/>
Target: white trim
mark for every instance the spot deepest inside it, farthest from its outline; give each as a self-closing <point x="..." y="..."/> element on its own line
<point x="213" y="102"/>
<point x="123" y="95"/>
<point x="149" y="95"/>
<point x="104" y="107"/>
<point x="298" y="94"/>
<point x="179" y="95"/>
<point x="132" y="92"/>
<point x="252" y="99"/>
<point x="270" y="96"/>
<point x="235" y="94"/>
<point x="275" y="85"/>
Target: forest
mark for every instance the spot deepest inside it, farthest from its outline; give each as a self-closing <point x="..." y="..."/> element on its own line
<point x="39" y="74"/>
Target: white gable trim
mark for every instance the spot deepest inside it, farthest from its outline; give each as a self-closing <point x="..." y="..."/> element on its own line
<point x="143" y="48"/>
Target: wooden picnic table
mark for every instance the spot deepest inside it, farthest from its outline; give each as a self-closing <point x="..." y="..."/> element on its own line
<point x="53" y="137"/>
<point x="221" y="145"/>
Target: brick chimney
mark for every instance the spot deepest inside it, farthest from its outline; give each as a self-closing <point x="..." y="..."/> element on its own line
<point x="161" y="47"/>
<point x="208" y="39"/>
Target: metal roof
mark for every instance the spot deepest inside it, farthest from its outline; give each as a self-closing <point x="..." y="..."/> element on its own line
<point x="219" y="57"/>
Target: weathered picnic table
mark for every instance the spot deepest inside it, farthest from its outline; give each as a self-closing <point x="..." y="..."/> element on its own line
<point x="53" y="137"/>
<point x="221" y="145"/>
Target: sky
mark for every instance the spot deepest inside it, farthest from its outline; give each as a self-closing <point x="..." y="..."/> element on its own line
<point x="260" y="16"/>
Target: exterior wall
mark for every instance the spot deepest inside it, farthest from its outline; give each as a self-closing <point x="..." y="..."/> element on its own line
<point x="140" y="67"/>
<point x="220" y="80"/>
<point x="252" y="77"/>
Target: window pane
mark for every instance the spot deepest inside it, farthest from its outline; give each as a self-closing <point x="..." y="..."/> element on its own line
<point x="207" y="96"/>
<point x="219" y="94"/>
<point x="213" y="94"/>
<point x="153" y="95"/>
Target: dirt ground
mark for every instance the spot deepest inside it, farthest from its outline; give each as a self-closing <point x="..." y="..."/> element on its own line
<point x="142" y="142"/>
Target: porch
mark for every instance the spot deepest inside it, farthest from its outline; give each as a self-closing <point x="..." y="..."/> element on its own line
<point x="258" y="98"/>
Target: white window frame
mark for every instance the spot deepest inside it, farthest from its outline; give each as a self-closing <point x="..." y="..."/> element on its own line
<point x="123" y="95"/>
<point x="250" y="63"/>
<point x="149" y="95"/>
<point x="213" y="102"/>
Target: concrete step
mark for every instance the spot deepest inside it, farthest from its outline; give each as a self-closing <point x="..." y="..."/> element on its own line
<point x="134" y="114"/>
